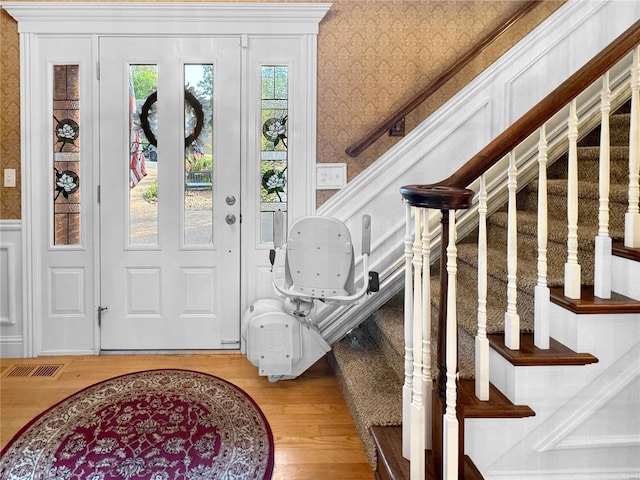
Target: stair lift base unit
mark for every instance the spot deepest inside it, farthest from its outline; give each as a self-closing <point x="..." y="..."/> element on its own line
<point x="280" y="337"/>
<point x="277" y="344"/>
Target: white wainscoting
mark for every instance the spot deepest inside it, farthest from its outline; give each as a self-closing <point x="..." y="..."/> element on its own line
<point x="11" y="318"/>
<point x="465" y="124"/>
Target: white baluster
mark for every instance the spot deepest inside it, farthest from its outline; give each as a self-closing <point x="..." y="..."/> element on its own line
<point x="418" y="419"/>
<point x="602" y="266"/>
<point x="542" y="296"/>
<point x="450" y="420"/>
<point x="427" y="379"/>
<point x="511" y="317"/>
<point x="482" y="342"/>
<point x="572" y="278"/>
<point x="632" y="217"/>
<point x="407" y="388"/>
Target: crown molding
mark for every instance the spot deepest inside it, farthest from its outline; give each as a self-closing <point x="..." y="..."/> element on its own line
<point x="169" y="18"/>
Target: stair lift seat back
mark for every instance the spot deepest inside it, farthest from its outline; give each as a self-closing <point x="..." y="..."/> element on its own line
<point x="319" y="258"/>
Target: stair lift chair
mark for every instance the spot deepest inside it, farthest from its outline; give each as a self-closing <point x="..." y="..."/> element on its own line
<point x="280" y="336"/>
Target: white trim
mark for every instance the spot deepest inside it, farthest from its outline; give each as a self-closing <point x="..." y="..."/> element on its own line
<point x="10" y="225"/>
<point x="31" y="256"/>
<point x="11" y="322"/>
<point x="584" y="474"/>
<point x="12" y="283"/>
<point x="166" y="18"/>
<point x="613" y="383"/>
<point x="11" y="346"/>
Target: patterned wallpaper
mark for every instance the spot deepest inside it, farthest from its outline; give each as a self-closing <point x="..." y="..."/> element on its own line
<point x="9" y="114"/>
<point x="373" y="56"/>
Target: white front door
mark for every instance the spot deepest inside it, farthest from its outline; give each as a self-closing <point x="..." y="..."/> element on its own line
<point x="170" y="240"/>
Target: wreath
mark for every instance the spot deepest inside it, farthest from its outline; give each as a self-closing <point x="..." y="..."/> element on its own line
<point x="146" y="126"/>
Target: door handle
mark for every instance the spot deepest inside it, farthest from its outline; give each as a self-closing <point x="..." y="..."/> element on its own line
<point x="230" y="219"/>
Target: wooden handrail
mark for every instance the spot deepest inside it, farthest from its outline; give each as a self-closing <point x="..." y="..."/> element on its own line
<point x="473" y="52"/>
<point x="543" y="111"/>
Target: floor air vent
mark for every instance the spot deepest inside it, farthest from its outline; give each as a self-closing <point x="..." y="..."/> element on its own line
<point x="33" y="371"/>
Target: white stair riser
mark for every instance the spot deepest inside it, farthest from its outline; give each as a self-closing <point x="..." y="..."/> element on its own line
<point x="606" y="336"/>
<point x="539" y="387"/>
<point x="624" y="281"/>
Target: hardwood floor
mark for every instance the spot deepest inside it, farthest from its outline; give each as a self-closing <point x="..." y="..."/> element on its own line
<point x="315" y="437"/>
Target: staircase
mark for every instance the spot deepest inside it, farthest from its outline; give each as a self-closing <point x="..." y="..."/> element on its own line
<point x="370" y="361"/>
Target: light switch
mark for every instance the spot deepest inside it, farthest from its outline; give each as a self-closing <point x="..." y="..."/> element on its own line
<point x="331" y="176"/>
<point x="9" y="177"/>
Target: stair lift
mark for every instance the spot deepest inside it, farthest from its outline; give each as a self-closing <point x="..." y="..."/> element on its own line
<point x="281" y="337"/>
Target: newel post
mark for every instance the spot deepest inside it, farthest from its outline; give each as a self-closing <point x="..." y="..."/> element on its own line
<point x="445" y="438"/>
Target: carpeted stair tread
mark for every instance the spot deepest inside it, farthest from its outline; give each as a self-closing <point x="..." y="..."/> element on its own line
<point x="497" y="265"/>
<point x="371" y="388"/>
<point x="588" y="164"/>
<point x="592" y="152"/>
<point x="467" y="304"/>
<point x="386" y="327"/>
<point x="467" y="316"/>
<point x="617" y="192"/>
<point x="586" y="190"/>
<point x="588" y="199"/>
<point x="618" y="130"/>
<point x="557" y="230"/>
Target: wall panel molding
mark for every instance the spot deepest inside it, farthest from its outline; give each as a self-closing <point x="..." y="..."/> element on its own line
<point x="11" y="317"/>
<point x="429" y="153"/>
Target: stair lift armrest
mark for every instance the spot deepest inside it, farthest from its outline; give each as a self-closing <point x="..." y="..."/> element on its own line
<point x="280" y="250"/>
<point x="277" y="280"/>
<point x="335" y="300"/>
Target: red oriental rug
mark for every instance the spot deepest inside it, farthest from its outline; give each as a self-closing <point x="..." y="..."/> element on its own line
<point x="156" y="425"/>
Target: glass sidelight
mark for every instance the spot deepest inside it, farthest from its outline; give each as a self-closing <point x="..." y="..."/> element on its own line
<point x="66" y="155"/>
<point x="274" y="147"/>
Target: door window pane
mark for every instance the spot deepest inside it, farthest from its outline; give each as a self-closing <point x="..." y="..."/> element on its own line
<point x="143" y="155"/>
<point x="66" y="155"/>
<point x="198" y="154"/>
<point x="274" y="145"/>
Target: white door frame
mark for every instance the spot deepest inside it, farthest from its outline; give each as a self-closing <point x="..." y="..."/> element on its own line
<point x="85" y="22"/>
